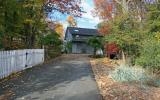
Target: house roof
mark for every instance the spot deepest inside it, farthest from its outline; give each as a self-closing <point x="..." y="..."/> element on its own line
<point x="83" y="31"/>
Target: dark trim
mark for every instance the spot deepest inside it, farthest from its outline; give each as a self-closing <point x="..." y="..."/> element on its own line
<point x="83" y="34"/>
<point x="78" y="41"/>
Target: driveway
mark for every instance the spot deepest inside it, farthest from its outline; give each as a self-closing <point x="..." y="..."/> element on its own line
<point x="68" y="77"/>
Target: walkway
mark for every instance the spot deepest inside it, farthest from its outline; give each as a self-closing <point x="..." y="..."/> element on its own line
<point x="66" y="78"/>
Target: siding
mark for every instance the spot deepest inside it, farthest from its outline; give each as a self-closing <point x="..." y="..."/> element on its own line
<point x="82" y="48"/>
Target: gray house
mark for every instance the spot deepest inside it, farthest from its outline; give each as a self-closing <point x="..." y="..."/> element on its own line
<point x="78" y="37"/>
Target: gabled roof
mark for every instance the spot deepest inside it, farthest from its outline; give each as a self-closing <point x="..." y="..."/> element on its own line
<point x="83" y="31"/>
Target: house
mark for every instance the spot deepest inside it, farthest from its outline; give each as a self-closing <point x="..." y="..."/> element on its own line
<point x="78" y="38"/>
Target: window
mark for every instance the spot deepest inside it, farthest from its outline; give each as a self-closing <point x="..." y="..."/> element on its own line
<point x="76" y="30"/>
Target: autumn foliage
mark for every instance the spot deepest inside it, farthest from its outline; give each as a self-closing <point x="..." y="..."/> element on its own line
<point x="71" y="21"/>
<point x="104" y="9"/>
<point x="64" y="6"/>
<point x="112" y="48"/>
<point x="104" y="28"/>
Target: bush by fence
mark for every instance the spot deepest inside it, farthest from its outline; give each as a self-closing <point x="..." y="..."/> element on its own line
<point x="18" y="60"/>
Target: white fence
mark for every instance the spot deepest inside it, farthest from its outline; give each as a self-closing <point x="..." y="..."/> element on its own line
<point x="18" y="60"/>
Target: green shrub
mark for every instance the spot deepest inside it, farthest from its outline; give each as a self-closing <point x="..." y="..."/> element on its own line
<point x="68" y="47"/>
<point x="96" y="43"/>
<point x="52" y="44"/>
<point x="150" y="55"/>
<point x="52" y="53"/>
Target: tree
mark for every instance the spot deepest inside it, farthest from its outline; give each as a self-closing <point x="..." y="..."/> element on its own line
<point x="71" y="7"/>
<point x="59" y="29"/>
<point x="51" y="39"/>
<point x="120" y="17"/>
<point x="154" y="17"/>
<point x="107" y="9"/>
<point x="150" y="49"/>
<point x="22" y="22"/>
<point x="10" y="21"/>
<point x="103" y="8"/>
<point x="104" y="28"/>
<point x="52" y="44"/>
<point x="72" y="22"/>
<point x="96" y="43"/>
<point x="1" y="44"/>
<point x="150" y="54"/>
<point x="126" y="34"/>
<point x="134" y="31"/>
<point x="34" y="22"/>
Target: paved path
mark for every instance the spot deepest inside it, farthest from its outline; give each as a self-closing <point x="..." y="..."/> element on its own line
<point x="66" y="78"/>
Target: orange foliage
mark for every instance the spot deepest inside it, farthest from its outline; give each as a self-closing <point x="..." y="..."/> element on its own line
<point x="72" y="22"/>
<point x="112" y="48"/>
<point x="104" y="29"/>
<point x="104" y="8"/>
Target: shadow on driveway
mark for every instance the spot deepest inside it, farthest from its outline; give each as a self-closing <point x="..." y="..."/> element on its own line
<point x="67" y="78"/>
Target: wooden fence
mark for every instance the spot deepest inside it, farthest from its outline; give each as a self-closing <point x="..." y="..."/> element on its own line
<point x="18" y="60"/>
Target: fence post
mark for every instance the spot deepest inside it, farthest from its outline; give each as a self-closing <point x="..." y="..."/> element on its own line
<point x="26" y="65"/>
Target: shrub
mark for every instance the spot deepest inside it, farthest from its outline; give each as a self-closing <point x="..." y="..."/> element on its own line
<point x="150" y="55"/>
<point x="53" y="53"/>
<point x="68" y="47"/>
<point x="123" y="73"/>
<point x="52" y="44"/>
<point x="96" y="43"/>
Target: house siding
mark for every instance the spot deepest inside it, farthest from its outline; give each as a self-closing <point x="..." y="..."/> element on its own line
<point x="82" y="48"/>
<point x="69" y="36"/>
<point x="78" y="37"/>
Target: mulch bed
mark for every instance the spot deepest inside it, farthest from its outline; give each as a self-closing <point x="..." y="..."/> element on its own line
<point x="111" y="90"/>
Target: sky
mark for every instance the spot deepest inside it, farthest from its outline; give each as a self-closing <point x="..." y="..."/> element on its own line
<point x="86" y="21"/>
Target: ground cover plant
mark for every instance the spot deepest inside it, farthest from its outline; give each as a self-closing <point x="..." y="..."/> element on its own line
<point x="123" y="82"/>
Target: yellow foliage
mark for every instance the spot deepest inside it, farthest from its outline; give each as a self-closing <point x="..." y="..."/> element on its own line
<point x="157" y="36"/>
<point x="28" y="21"/>
<point x="72" y="22"/>
<point x="59" y="29"/>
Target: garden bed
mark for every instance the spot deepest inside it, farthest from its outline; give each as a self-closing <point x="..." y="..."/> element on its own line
<point x="115" y="90"/>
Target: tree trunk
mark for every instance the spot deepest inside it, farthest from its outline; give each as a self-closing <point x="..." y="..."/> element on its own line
<point x="95" y="51"/>
<point x="33" y="40"/>
<point x="124" y="6"/>
<point x="123" y="57"/>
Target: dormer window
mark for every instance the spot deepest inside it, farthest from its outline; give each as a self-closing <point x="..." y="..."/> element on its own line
<point x="76" y="30"/>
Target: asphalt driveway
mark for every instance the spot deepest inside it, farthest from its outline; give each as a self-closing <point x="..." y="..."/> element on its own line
<point x="68" y="77"/>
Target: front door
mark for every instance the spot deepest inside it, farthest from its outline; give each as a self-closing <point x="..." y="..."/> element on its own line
<point x="83" y="48"/>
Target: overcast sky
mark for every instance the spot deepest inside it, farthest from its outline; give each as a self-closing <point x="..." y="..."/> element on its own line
<point x="87" y="20"/>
